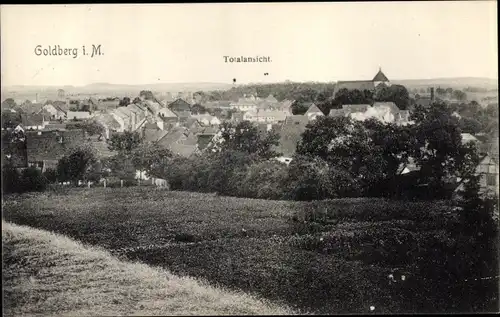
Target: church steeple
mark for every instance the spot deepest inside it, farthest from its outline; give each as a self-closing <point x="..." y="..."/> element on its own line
<point x="380" y="77"/>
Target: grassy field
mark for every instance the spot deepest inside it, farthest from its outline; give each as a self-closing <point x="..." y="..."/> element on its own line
<point x="321" y="257"/>
<point x="51" y="275"/>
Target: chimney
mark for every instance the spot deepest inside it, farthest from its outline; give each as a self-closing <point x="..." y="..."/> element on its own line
<point x="432" y="94"/>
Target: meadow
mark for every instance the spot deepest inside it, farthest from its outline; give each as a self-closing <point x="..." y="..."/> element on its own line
<point x="336" y="256"/>
<point x="51" y="275"/>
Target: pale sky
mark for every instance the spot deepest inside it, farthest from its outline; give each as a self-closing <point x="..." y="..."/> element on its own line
<point x="146" y="44"/>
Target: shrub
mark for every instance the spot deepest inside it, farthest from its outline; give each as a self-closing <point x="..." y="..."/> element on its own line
<point x="32" y="179"/>
<point x="51" y="175"/>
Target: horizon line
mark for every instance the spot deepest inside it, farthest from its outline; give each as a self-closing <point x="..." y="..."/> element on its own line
<point x="248" y="83"/>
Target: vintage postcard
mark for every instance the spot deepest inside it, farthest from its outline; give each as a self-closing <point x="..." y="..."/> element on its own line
<point x="250" y="158"/>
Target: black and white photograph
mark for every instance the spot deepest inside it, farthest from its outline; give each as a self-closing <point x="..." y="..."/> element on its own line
<point x="298" y="158"/>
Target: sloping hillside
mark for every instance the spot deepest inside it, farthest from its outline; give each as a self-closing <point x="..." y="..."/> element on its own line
<point x="51" y="275"/>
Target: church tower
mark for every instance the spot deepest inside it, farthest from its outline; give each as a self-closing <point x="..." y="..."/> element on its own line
<point x="380" y="78"/>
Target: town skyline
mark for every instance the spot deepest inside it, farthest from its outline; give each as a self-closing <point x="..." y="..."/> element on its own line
<point x="159" y="43"/>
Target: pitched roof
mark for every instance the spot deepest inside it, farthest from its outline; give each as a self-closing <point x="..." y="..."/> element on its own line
<point x="290" y="133"/>
<point x="154" y="107"/>
<point x="380" y="76"/>
<point x="466" y="137"/>
<point x="355" y="108"/>
<point x="167" y="113"/>
<point x="153" y="135"/>
<point x="391" y="105"/>
<point x="133" y="107"/>
<point x="180" y="105"/>
<point x="108" y="120"/>
<point x="182" y="114"/>
<point x="271" y="98"/>
<point x="217" y="104"/>
<point x="31" y="107"/>
<point x="337" y="113"/>
<point x="55" y="126"/>
<point x="179" y="141"/>
<point x="101" y="147"/>
<point x="32" y="120"/>
<point x="47" y="145"/>
<point x="208" y="130"/>
<point x="122" y="112"/>
<point x="313" y="109"/>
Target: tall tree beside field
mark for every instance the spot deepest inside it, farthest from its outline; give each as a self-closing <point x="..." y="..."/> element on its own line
<point x="126" y="141"/>
<point x="439" y="151"/>
<point x="8" y="103"/>
<point x="80" y="164"/>
<point x="124" y="102"/>
<point x="395" y="93"/>
<point x="245" y="137"/>
<point x="147" y="94"/>
<point x="152" y="159"/>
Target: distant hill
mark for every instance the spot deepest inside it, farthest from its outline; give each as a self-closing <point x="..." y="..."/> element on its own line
<point x="107" y="87"/>
<point x="121" y="89"/>
<point x="457" y="82"/>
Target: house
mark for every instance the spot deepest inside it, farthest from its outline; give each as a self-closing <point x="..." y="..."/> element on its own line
<point x="78" y="115"/>
<point x="33" y="121"/>
<point x="152" y="133"/>
<point x="55" y="125"/>
<point x="290" y="134"/>
<point x="467" y="137"/>
<point x="167" y="113"/>
<point x="285" y="105"/>
<point x="54" y="111"/>
<point x="245" y="104"/>
<point x="182" y="116"/>
<point x="153" y="107"/>
<point x="180" y="141"/>
<point x="349" y="109"/>
<point x="386" y="112"/>
<point x="223" y="104"/>
<point x="179" y="105"/>
<point x="31" y="108"/>
<point x="205" y="137"/>
<point x="107" y="104"/>
<point x="313" y="112"/>
<point x="488" y="170"/>
<point x="237" y="117"/>
<point x="62" y="105"/>
<point x="379" y="80"/>
<point x="101" y="146"/>
<point x="45" y="148"/>
<point x="206" y="119"/>
<point x="109" y="123"/>
<point x="336" y="113"/>
<point x="266" y="116"/>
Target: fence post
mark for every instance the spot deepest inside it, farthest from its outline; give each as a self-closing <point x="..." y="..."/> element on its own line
<point x="121" y="182"/>
<point x="104" y="183"/>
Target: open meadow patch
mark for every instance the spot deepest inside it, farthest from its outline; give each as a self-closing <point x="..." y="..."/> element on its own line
<point x="51" y="275"/>
<point x="332" y="256"/>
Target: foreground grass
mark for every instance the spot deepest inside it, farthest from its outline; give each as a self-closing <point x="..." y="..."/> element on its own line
<point x="49" y="274"/>
<point x="337" y="262"/>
